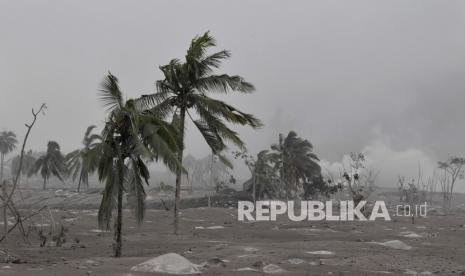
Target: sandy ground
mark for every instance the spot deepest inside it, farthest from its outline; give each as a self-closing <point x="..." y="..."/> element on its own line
<point x="439" y="249"/>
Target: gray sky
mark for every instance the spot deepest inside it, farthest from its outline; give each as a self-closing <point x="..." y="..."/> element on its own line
<point x="347" y="75"/>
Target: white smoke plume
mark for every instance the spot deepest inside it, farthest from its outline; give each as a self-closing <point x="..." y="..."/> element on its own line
<point x="388" y="163"/>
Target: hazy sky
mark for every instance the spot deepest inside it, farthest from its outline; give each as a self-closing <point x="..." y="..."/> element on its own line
<point x="347" y="75"/>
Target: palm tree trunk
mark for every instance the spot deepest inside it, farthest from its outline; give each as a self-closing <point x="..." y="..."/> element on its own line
<point x="79" y="184"/>
<point x="119" y="223"/>
<point x="5" y="196"/>
<point x="177" y="200"/>
<point x="1" y="168"/>
<point x="5" y="217"/>
<point x="253" y="188"/>
<point x="45" y="183"/>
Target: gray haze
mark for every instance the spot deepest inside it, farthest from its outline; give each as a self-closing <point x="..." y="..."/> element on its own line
<point x="381" y="76"/>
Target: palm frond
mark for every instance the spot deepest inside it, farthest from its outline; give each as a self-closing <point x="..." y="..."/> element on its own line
<point x="110" y="93"/>
<point x="223" y="84"/>
<point x="226" y="111"/>
<point x="212" y="138"/>
<point x="199" y="46"/>
<point x="137" y="189"/>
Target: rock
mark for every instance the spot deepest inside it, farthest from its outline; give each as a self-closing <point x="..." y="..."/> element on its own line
<point x="396" y="244"/>
<point x="295" y="261"/>
<point x="320" y="252"/>
<point x="258" y="264"/>
<point x="170" y="263"/>
<point x="92" y="262"/>
<point x="272" y="268"/>
<point x="215" y="262"/>
<point x="246" y="269"/>
<point x="409" y="234"/>
<point x="215" y="227"/>
<point x="250" y="249"/>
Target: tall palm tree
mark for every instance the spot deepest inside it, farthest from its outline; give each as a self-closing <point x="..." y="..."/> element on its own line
<point x="297" y="161"/>
<point x="184" y="92"/>
<point x="51" y="163"/>
<point x="78" y="162"/>
<point x="28" y="163"/>
<point x="129" y="137"/>
<point x="7" y="144"/>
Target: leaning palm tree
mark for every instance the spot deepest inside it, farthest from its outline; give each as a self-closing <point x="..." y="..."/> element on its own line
<point x="7" y="144"/>
<point x="78" y="162"/>
<point x="297" y="162"/>
<point x="130" y="136"/>
<point x="51" y="163"/>
<point x="184" y="92"/>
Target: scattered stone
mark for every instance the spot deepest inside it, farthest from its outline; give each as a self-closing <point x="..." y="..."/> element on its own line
<point x="320" y="252"/>
<point x="246" y="269"/>
<point x="295" y="261"/>
<point x="215" y="227"/>
<point x="258" y="264"/>
<point x="396" y="244"/>
<point x="409" y="234"/>
<point x="92" y="262"/>
<point x="247" y="256"/>
<point x="250" y="249"/>
<point x="272" y="268"/>
<point x="170" y="263"/>
<point x="215" y="262"/>
<point x="99" y="231"/>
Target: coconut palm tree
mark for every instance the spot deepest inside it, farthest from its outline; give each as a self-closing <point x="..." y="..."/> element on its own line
<point x="28" y="163"/>
<point x="51" y="163"/>
<point x="297" y="161"/>
<point x="129" y="137"/>
<point x="7" y="144"/>
<point x="265" y="176"/>
<point x="77" y="161"/>
<point x="185" y="93"/>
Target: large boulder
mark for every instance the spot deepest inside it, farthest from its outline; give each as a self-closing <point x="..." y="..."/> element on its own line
<point x="170" y="263"/>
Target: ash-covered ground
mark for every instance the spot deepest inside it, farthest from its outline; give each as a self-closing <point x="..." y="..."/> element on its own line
<point x="216" y="243"/>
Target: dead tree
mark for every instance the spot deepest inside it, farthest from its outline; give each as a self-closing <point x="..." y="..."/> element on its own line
<point x="360" y="180"/>
<point x="454" y="169"/>
<point x="401" y="188"/>
<point x="7" y="198"/>
<point x="412" y="197"/>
